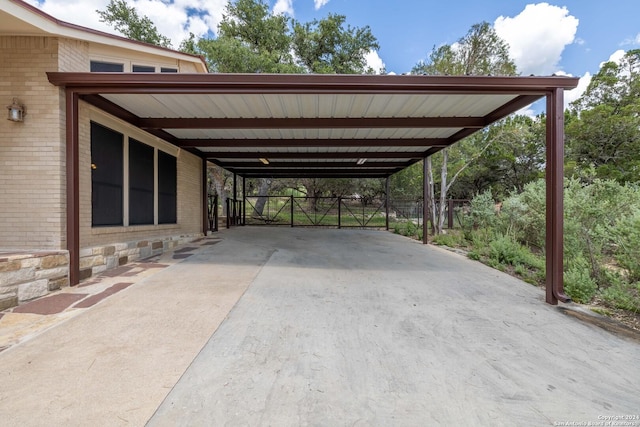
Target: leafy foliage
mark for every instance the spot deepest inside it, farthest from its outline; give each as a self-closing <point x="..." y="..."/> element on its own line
<point x="603" y="129"/>
<point x="480" y="52"/>
<point x="601" y="245"/>
<point x="126" y="20"/>
<point x="626" y="237"/>
<point x="326" y="46"/>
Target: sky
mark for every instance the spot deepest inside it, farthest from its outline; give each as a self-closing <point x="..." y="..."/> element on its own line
<point x="572" y="37"/>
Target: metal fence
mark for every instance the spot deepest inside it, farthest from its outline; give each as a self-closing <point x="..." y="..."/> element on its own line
<point x="334" y="212"/>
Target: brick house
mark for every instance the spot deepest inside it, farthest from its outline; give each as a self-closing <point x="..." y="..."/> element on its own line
<point x="154" y="204"/>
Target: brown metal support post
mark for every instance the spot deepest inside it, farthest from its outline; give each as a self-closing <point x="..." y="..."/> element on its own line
<point x="291" y="201"/>
<point x="339" y="212"/>
<point x="73" y="187"/>
<point x="554" y="198"/>
<point x="425" y="207"/>
<point x="450" y="214"/>
<point x="235" y="197"/>
<point x="228" y="210"/>
<point x="386" y="202"/>
<point x="205" y="199"/>
<point x="215" y="213"/>
<point x="244" y="201"/>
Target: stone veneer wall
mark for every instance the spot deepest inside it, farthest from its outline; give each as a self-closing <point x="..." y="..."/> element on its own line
<point x="96" y="259"/>
<point x="28" y="275"/>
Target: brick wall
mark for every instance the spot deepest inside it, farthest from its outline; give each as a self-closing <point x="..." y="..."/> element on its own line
<point x="33" y="176"/>
<point x="31" y="153"/>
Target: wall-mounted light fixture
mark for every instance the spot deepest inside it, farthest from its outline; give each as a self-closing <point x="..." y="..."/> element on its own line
<point x="361" y="161"/>
<point x="16" y="111"/>
<point x="264" y="161"/>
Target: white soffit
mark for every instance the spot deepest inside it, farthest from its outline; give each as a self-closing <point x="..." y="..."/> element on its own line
<point x="308" y="105"/>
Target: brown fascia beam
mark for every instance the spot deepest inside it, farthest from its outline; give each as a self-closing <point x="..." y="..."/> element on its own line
<point x="211" y="83"/>
<point x="312" y="123"/>
<point x="315" y="155"/>
<point x="293" y="165"/>
<point x="396" y="142"/>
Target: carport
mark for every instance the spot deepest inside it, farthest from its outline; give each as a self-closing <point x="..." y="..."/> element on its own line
<point x="366" y="126"/>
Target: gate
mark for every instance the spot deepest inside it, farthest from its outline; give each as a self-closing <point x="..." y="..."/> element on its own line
<point x="315" y="212"/>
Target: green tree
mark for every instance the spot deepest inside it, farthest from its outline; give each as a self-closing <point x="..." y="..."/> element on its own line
<point x="126" y="20"/>
<point x="325" y="46"/>
<point x="250" y="40"/>
<point x="603" y="130"/>
<point x="480" y="52"/>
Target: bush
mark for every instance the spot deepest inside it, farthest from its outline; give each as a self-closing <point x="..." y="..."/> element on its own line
<point x="578" y="282"/>
<point x="482" y="212"/>
<point x="527" y="213"/>
<point x="622" y="294"/>
<point x="505" y="250"/>
<point x="626" y="238"/>
<point x="452" y="239"/>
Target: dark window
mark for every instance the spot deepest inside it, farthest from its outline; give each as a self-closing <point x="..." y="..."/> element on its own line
<point x="140" y="183"/>
<point x="108" y="67"/>
<point x="143" y="69"/>
<point x="167" y="184"/>
<point x="106" y="176"/>
<point x="168" y="70"/>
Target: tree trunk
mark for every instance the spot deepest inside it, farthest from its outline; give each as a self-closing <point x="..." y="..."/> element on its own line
<point x="431" y="200"/>
<point x="218" y="182"/>
<point x="263" y="191"/>
<point x="443" y="190"/>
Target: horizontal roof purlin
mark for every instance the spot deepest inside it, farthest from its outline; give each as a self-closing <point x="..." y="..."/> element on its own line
<point x="293" y="118"/>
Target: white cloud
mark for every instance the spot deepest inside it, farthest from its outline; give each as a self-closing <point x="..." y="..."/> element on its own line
<point x="573" y="94"/>
<point x="631" y="41"/>
<point x="283" y="7"/>
<point x="319" y="3"/>
<point x="374" y="61"/>
<point x="615" y="57"/>
<point x="171" y="18"/>
<point x="537" y="37"/>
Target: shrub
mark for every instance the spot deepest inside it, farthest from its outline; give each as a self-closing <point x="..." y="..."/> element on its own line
<point x="578" y="282"/>
<point x="451" y="238"/>
<point x="622" y="294"/>
<point x="482" y="212"/>
<point x="505" y="250"/>
<point x="626" y="238"/>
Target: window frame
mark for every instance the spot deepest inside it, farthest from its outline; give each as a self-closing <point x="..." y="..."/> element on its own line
<point x="104" y="120"/>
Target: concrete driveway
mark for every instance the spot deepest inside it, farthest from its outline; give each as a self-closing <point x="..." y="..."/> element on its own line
<point x="318" y="327"/>
<point x="346" y="328"/>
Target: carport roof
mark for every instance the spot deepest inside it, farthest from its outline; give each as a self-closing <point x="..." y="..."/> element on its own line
<point x="275" y="125"/>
